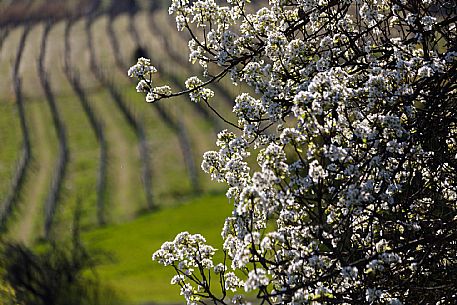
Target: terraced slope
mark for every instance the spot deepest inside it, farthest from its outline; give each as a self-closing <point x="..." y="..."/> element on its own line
<point x="92" y="138"/>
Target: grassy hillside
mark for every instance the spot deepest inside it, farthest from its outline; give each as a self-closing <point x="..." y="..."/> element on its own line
<point x="165" y="129"/>
<point x="95" y="143"/>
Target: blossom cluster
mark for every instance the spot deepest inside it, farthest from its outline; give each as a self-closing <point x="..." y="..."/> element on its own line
<point x="351" y="118"/>
<point x="142" y="70"/>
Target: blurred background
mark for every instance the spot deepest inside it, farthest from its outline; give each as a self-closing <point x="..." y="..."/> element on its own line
<point x="86" y="165"/>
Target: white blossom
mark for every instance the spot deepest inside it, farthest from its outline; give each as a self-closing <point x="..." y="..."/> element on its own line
<point x="341" y="170"/>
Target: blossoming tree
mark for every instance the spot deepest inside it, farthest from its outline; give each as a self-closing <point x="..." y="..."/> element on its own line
<point x="352" y="120"/>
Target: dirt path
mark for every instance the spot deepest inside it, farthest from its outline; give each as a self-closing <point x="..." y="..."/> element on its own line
<point x="123" y="173"/>
<point x="124" y="163"/>
<point x="136" y="124"/>
<point x="30" y="213"/>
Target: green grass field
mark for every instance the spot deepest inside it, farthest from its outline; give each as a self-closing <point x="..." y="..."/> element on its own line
<point x="132" y="272"/>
